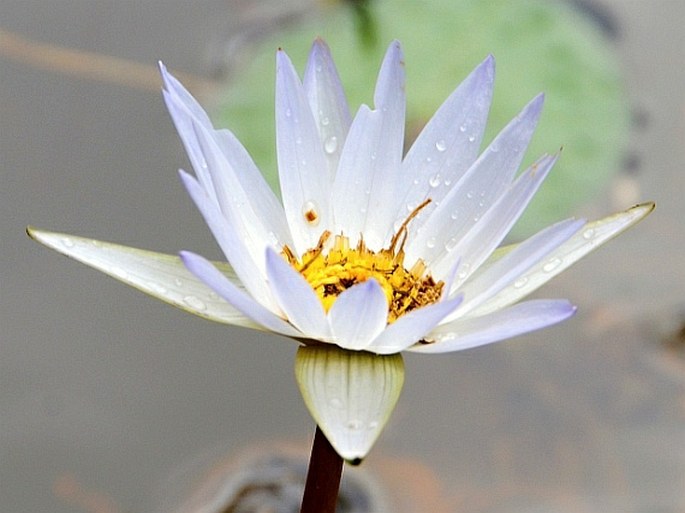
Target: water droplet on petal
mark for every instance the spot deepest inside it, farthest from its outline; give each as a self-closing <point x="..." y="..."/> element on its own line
<point x="310" y="212"/>
<point x="588" y="234"/>
<point x="441" y="145"/>
<point x="330" y="145"/>
<point x="354" y="425"/>
<point x="298" y="140"/>
<point x="157" y="288"/>
<point x="178" y="282"/>
<point x="450" y="244"/>
<point x="520" y="282"/>
<point x="551" y="265"/>
<point x="431" y="242"/>
<point x="336" y="403"/>
<point x="195" y="302"/>
<point x="462" y="128"/>
<point x="68" y="243"/>
<point x="288" y="113"/>
<point x="325" y="121"/>
<point x="434" y="180"/>
<point x="373" y="425"/>
<point x="455" y="214"/>
<point x="469" y="194"/>
<point x="472" y="138"/>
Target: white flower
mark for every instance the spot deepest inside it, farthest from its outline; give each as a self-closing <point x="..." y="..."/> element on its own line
<point x="369" y="251"/>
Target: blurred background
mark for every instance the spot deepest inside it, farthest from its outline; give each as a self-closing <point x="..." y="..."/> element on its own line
<point x="111" y="402"/>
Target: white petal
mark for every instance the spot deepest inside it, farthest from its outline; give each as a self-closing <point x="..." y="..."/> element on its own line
<point x="518" y="261"/>
<point x="296" y="298"/>
<point x="364" y="192"/>
<point x="327" y="102"/>
<point x="476" y="190"/>
<point x="350" y="394"/>
<point x="449" y="143"/>
<point x="244" y="303"/>
<point x="302" y="167"/>
<point x="500" y="325"/>
<point x="159" y="275"/>
<point x="488" y="231"/>
<point x="358" y="315"/>
<point x="412" y="327"/>
<point x="587" y="239"/>
<point x="231" y="242"/>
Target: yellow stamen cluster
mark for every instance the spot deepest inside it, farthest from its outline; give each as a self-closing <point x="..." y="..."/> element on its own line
<point x="334" y="271"/>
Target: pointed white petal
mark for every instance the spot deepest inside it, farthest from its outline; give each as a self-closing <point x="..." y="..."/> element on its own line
<point x="231" y="243"/>
<point x="327" y="102"/>
<point x="358" y="315"/>
<point x="302" y="167"/>
<point x="296" y="298"/>
<point x="364" y="192"/>
<point x="412" y="327"/>
<point x="449" y="143"/>
<point x="350" y="394"/>
<point x="477" y="189"/>
<point x="488" y="231"/>
<point x="241" y="301"/>
<point x="500" y="325"/>
<point x="587" y="239"/>
<point x="517" y="262"/>
<point x="161" y="276"/>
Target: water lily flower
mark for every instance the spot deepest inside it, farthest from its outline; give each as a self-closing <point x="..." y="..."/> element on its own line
<point x="371" y="252"/>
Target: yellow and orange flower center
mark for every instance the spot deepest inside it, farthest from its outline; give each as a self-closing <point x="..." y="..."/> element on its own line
<point x="331" y="272"/>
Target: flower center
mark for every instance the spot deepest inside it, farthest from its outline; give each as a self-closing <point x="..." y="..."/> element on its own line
<point x="332" y="272"/>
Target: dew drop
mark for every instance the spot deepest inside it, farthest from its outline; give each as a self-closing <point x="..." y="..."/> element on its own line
<point x="325" y="121"/>
<point x="520" y="283"/>
<point x="469" y="194"/>
<point x="178" y="282"/>
<point x="431" y="242"/>
<point x="472" y="138"/>
<point x="298" y="140"/>
<point x="588" y="234"/>
<point x="195" y="302"/>
<point x="373" y="156"/>
<point x="373" y="425"/>
<point x="288" y="113"/>
<point x="448" y="182"/>
<point x="434" y="180"/>
<point x="68" y="243"/>
<point x="462" y="128"/>
<point x="551" y="265"/>
<point x="416" y="181"/>
<point x="455" y="214"/>
<point x="213" y="296"/>
<point x="450" y="244"/>
<point x="96" y="243"/>
<point x="411" y="207"/>
<point x="335" y="403"/>
<point x="441" y="145"/>
<point x="331" y="145"/>
<point x="429" y="160"/>
<point x="310" y="212"/>
<point x="354" y="425"/>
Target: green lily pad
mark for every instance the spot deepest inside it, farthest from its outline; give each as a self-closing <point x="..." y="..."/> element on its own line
<point x="538" y="45"/>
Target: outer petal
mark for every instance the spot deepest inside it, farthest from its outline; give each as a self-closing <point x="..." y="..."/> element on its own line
<point x="412" y="327"/>
<point x="359" y="315"/>
<point x="350" y="394"/>
<point x="518" y="261"/>
<point x="244" y="303"/>
<point x="327" y="102"/>
<point x="589" y="238"/>
<point x="500" y="325"/>
<point x="364" y="192"/>
<point x="477" y="190"/>
<point x="161" y="276"/>
<point x="231" y="243"/>
<point x="296" y="298"/>
<point x="488" y="231"/>
<point x="449" y="143"/>
<point x="302" y="167"/>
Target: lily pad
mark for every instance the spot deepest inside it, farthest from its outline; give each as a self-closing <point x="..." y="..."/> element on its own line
<point x="538" y="45"/>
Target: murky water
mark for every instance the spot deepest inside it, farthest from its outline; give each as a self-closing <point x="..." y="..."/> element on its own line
<point x="108" y="397"/>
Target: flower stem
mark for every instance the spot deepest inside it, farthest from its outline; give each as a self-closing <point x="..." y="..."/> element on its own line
<point x="323" y="477"/>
